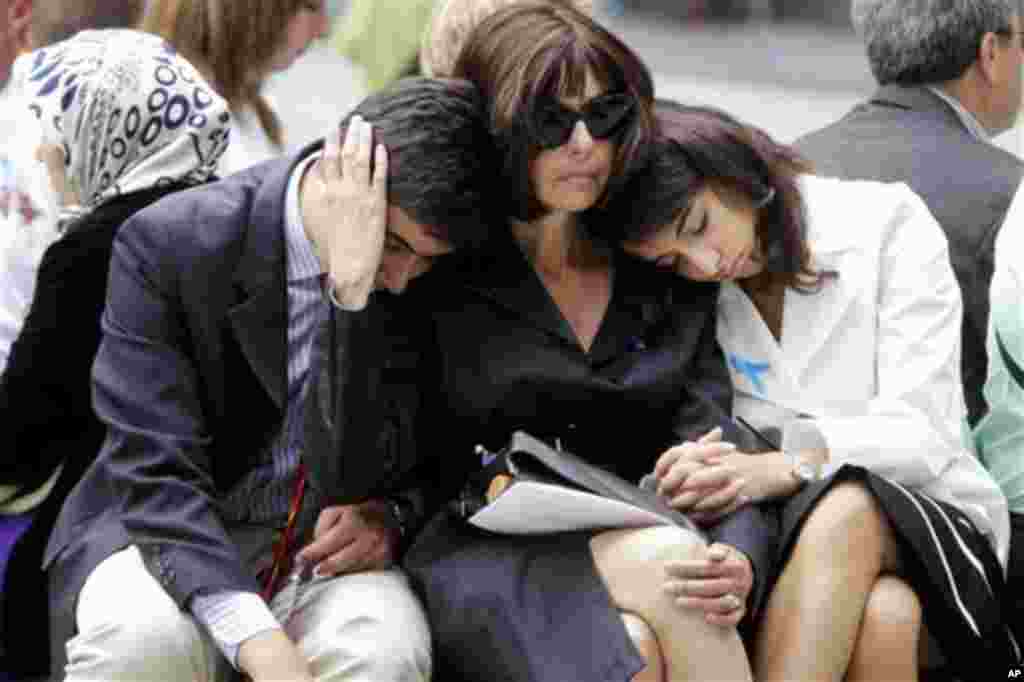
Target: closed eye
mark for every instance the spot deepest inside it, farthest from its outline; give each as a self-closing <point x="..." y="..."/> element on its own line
<point x="701" y="228"/>
<point x="393" y="243"/>
<point x="667" y="262"/>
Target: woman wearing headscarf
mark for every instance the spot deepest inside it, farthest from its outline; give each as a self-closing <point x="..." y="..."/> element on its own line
<point x="134" y="122"/>
<point x="237" y="45"/>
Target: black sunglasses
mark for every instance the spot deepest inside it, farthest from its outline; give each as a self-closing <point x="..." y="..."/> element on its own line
<point x="604" y="116"/>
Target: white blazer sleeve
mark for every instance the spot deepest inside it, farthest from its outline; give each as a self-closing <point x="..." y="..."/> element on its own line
<point x="913" y="428"/>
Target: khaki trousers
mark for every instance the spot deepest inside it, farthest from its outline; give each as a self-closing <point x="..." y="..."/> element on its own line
<point x="357" y="628"/>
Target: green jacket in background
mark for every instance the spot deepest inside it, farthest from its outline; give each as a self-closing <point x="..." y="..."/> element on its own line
<point x="999" y="436"/>
<point x="383" y="37"/>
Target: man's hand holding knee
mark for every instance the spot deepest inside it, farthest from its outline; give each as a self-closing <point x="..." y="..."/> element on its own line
<point x="351" y="538"/>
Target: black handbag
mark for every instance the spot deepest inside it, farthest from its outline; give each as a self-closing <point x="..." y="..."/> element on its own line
<point x="529" y="488"/>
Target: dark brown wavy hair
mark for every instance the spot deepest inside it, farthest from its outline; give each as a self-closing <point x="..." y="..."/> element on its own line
<point x="228" y="41"/>
<point x="532" y="51"/>
<point x="701" y="146"/>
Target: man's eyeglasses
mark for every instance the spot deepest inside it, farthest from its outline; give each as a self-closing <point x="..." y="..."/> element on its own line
<point x="604" y="116"/>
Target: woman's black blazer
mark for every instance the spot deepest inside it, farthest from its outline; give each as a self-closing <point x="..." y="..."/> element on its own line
<point x="504" y="358"/>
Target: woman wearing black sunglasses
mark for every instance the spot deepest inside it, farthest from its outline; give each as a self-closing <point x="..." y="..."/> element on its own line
<point x="551" y="331"/>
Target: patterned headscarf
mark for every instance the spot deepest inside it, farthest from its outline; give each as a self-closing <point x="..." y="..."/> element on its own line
<point x="130" y="113"/>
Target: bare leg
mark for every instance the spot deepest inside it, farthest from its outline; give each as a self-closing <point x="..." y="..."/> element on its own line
<point x="813" y="616"/>
<point x="888" y="643"/>
<point x="632" y="562"/>
<point x="647" y="644"/>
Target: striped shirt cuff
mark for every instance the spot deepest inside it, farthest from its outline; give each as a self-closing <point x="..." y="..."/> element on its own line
<point x="232" y="618"/>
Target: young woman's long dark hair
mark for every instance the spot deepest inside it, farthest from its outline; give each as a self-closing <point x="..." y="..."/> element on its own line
<point x="700" y="146"/>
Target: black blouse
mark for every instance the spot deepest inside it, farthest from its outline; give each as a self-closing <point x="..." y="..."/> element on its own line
<point x="507" y="359"/>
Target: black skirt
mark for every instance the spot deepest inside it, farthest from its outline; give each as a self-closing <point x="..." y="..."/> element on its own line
<point x="523" y="608"/>
<point x="950" y="565"/>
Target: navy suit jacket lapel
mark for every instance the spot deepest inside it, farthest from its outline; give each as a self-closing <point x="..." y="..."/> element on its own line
<point x="260" y="319"/>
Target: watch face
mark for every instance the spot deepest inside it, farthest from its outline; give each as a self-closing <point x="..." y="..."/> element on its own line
<point x="805" y="471"/>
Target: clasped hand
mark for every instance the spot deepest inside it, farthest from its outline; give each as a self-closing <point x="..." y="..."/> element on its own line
<point x="709" y="479"/>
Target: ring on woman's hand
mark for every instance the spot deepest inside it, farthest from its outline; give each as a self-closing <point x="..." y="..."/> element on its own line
<point x="732" y="602"/>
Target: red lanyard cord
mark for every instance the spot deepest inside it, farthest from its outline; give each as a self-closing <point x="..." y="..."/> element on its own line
<point x="283" y="546"/>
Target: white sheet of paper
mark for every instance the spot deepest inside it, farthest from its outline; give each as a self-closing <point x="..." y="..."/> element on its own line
<point x="530" y="507"/>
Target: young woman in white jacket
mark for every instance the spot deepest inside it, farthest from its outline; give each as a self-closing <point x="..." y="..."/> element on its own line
<point x="839" y="316"/>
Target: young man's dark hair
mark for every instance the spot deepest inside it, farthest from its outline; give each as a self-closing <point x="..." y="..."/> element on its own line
<point x="439" y="153"/>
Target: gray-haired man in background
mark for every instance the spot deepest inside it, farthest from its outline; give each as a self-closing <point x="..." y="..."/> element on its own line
<point x="950" y="78"/>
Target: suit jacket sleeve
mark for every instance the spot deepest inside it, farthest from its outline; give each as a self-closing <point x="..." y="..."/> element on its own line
<point x="753" y="529"/>
<point x="146" y="388"/>
<point x="361" y="406"/>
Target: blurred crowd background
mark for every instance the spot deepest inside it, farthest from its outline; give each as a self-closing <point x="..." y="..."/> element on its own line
<point x="789" y="66"/>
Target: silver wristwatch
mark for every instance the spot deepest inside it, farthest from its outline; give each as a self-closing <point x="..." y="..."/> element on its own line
<point x="803" y="471"/>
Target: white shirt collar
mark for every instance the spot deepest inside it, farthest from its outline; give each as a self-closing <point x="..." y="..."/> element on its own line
<point x="301" y="261"/>
<point x="969" y="120"/>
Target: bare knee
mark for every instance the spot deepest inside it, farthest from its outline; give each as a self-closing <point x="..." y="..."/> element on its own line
<point x="632" y="562"/>
<point x="646" y="643"/>
<point x="893" y="609"/>
<point x="890" y="634"/>
<point x="848" y="520"/>
<point x="846" y="504"/>
<point x="644" y="546"/>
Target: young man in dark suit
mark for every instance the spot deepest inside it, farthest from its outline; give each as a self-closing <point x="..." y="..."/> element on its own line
<point x="206" y="486"/>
